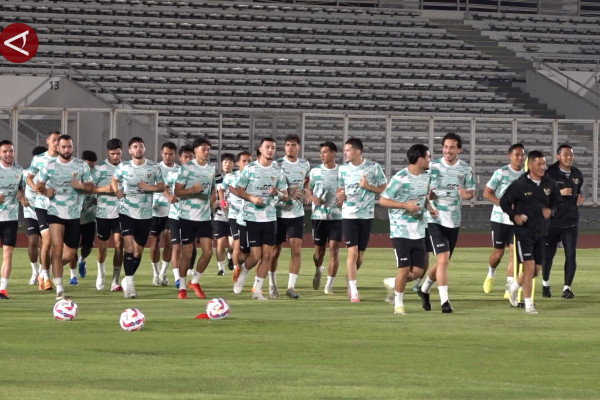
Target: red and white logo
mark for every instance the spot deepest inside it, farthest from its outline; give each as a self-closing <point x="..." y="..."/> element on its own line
<point x="18" y="43"/>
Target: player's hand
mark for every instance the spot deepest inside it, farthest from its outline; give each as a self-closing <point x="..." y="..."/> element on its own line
<point x="462" y="193"/>
<point x="1" y="198"/>
<point x="580" y="199"/>
<point x="364" y="183"/>
<point x="520" y="219"/>
<point x="412" y="207"/>
<point x="547" y="212"/>
<point x="50" y="192"/>
<point x="566" y="191"/>
<point x="24" y="202"/>
<point x="258" y="201"/>
<point x="77" y="184"/>
<point x="120" y="194"/>
<point x="144" y="186"/>
<point x="432" y="196"/>
<point x="318" y="201"/>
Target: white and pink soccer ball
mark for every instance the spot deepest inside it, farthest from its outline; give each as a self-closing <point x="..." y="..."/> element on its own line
<point x="65" y="310"/>
<point x="132" y="320"/>
<point x="217" y="308"/>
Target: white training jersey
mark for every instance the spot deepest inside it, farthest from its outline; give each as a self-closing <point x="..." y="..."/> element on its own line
<point x="499" y="182"/>
<point x="107" y="204"/>
<point x="160" y="204"/>
<point x="360" y="202"/>
<point x="11" y="179"/>
<point x="295" y="174"/>
<point x="196" y="207"/>
<point x="37" y="164"/>
<point x="323" y="182"/>
<point x="258" y="180"/>
<point x="137" y="204"/>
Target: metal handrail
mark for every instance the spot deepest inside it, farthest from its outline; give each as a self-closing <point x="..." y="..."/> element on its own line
<point x="569" y="79"/>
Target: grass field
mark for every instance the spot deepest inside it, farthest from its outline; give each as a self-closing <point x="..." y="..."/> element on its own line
<point x="317" y="347"/>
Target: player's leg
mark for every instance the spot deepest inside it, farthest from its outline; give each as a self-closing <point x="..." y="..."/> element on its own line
<point x="569" y="240"/>
<point x="167" y="256"/>
<point x="154" y="238"/>
<point x="33" y="248"/>
<point x="551" y="245"/>
<point x="118" y="257"/>
<point x="204" y="233"/>
<point x="45" y="250"/>
<point x="8" y="235"/>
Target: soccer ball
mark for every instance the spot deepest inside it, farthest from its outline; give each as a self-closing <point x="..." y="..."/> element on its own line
<point x="65" y="310"/>
<point x="217" y="308"/>
<point x="132" y="320"/>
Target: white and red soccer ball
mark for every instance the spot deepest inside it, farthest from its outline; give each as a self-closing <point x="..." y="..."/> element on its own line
<point x="132" y="320"/>
<point x="65" y="310"/>
<point x="217" y="308"/>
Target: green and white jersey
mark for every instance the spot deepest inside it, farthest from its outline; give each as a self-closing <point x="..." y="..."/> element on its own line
<point x="445" y="181"/>
<point x="160" y="204"/>
<point x="295" y="173"/>
<point x="37" y="164"/>
<point x="196" y="207"/>
<point x="137" y="204"/>
<point x="257" y="180"/>
<point x="67" y="202"/>
<point x="405" y="187"/>
<point x="88" y="209"/>
<point x="359" y="203"/>
<point x="11" y="179"/>
<point x="29" y="211"/>
<point x="170" y="181"/>
<point x="220" y="214"/>
<point x="323" y="182"/>
<point x="235" y="203"/>
<point x="499" y="181"/>
<point x="107" y="205"/>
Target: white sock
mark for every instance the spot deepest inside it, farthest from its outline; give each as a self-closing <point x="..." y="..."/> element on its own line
<point x="73" y="272"/>
<point x="491" y="272"/>
<point x="329" y="284"/>
<point x="566" y="287"/>
<point x="514" y="286"/>
<point x="443" y="290"/>
<point x="164" y="267"/>
<point x="58" y="282"/>
<point x="426" y="287"/>
<point x="528" y="302"/>
<point x="176" y="274"/>
<point x="81" y="260"/>
<point x="272" y="278"/>
<point x="155" y="268"/>
<point x="196" y="277"/>
<point x="546" y="283"/>
<point x="34" y="268"/>
<point x="292" y="281"/>
<point x="510" y="280"/>
<point x="398" y="299"/>
<point x="3" y="283"/>
<point x="101" y="270"/>
<point x="228" y="255"/>
<point x="116" y="274"/>
<point x="182" y="285"/>
<point x="418" y="281"/>
<point x="221" y="265"/>
<point x="129" y="281"/>
<point x="243" y="273"/>
<point x="353" y="289"/>
<point x="258" y="284"/>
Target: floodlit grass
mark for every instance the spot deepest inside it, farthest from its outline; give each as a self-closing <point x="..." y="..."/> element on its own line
<point x="317" y="347"/>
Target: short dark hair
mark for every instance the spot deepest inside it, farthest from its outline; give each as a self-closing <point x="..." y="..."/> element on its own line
<point x="200" y="142"/>
<point x="355" y="143"/>
<point x="64" y="137"/>
<point x="6" y="141"/>
<point x="114" y="144"/>
<point x="453" y="136"/>
<point x="227" y="156"/>
<point x="534" y="154"/>
<point x="292" y="138"/>
<point x="415" y="152"/>
<point x="53" y="133"/>
<point x="265" y="139"/>
<point x="515" y="146"/>
<point x="563" y="146"/>
<point x="170" y="146"/>
<point x="135" y="139"/>
<point x="242" y="153"/>
<point x="330" y="144"/>
<point x="38" y="150"/>
<point x="89" y="155"/>
<point x="184" y="148"/>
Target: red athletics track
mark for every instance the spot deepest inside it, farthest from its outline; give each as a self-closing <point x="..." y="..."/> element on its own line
<point x="585" y="241"/>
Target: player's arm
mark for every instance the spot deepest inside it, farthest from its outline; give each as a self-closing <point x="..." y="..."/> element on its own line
<point x="108" y="189"/>
<point x="146" y="187"/>
<point x="257" y="201"/>
<point x="181" y="191"/>
<point x="490" y="195"/>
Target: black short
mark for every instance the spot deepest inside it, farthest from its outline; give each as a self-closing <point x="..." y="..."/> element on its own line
<point x="502" y="235"/>
<point x="409" y="252"/>
<point x="192" y="230"/>
<point x="106" y="227"/>
<point x="158" y="225"/>
<point x="138" y="228"/>
<point x="173" y="226"/>
<point x="8" y="232"/>
<point x="71" y="235"/>
<point x="244" y="246"/>
<point x="234" y="228"/>
<point x="221" y="229"/>
<point x="530" y="247"/>
<point x="260" y="233"/>
<point x="325" y="230"/>
<point x="357" y="232"/>
<point x="42" y="217"/>
<point x="289" y="228"/>
<point x="428" y="247"/>
<point x="442" y="238"/>
<point x="33" y="228"/>
<point x="87" y="233"/>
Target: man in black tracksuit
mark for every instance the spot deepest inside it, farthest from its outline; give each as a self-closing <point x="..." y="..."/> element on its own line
<point x="530" y="202"/>
<point x="563" y="227"/>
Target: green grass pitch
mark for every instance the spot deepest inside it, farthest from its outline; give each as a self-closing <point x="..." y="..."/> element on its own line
<point x="317" y="347"/>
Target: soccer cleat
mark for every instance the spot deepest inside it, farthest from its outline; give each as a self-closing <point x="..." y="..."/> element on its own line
<point x="567" y="294"/>
<point x="197" y="289"/>
<point x="177" y="283"/>
<point x="182" y="294"/>
<point x="238" y="286"/>
<point x="60" y="295"/>
<point x="236" y="274"/>
<point x="355" y="299"/>
<point x="487" y="284"/>
<point x="47" y="284"/>
<point x="74" y="281"/>
<point x="221" y="272"/>
<point x="389" y="284"/>
<point x="530" y="310"/>
<point x="82" y="269"/>
<point x="40" y="280"/>
<point x="163" y="280"/>
<point x="317" y="278"/>
<point x="155" y="281"/>
<point x="33" y="280"/>
<point x="291" y="293"/>
<point x="258" y="296"/>
<point x="399" y="310"/>
<point x="273" y="292"/>
<point x="424" y="299"/>
<point x="447" y="308"/>
<point x="129" y="291"/>
<point x="4" y="295"/>
<point x="116" y="288"/>
<point x="546" y="291"/>
<point x="328" y="290"/>
<point x="230" y="264"/>
<point x="513" y="292"/>
<point x="100" y="283"/>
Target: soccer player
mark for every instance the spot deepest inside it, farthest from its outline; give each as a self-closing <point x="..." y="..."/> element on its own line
<point x="64" y="181"/>
<point x="222" y="230"/>
<point x="107" y="214"/>
<point x="134" y="182"/>
<point x="290" y="215"/>
<point x="261" y="184"/>
<point x="326" y="216"/>
<point x="502" y="226"/>
<point x="87" y="227"/>
<point x="31" y="222"/>
<point x="41" y="206"/>
<point x="359" y="181"/>
<point x="563" y="227"/>
<point x="11" y="193"/>
<point x="530" y="202"/>
<point x="195" y="190"/>
<point x="406" y="197"/>
<point x="160" y="213"/>
<point x="452" y="181"/>
<point x="186" y="154"/>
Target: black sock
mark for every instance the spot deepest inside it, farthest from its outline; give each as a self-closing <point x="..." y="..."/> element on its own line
<point x="128" y="264"/>
<point x="136" y="263"/>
